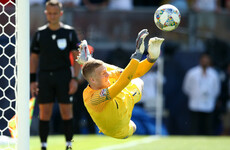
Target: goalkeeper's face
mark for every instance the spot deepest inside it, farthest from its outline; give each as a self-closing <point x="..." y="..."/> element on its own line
<point x="101" y="77"/>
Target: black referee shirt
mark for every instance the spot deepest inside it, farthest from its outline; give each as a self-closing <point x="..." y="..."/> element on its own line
<point x="54" y="46"/>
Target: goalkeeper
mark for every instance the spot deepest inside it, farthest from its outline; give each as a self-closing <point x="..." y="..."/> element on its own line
<point x="112" y="91"/>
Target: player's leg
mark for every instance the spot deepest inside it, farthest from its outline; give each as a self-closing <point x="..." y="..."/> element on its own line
<point x="45" y="112"/>
<point x="45" y="100"/>
<point x="139" y="85"/>
<point x="66" y="111"/>
<point x="133" y="125"/>
<point x="130" y="130"/>
<point x="65" y="103"/>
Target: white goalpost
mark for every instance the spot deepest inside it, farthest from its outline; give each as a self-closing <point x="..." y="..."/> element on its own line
<point x="14" y="74"/>
<point x="22" y="48"/>
<point x="159" y="98"/>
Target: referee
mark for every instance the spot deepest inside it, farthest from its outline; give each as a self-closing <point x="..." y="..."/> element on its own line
<point x="50" y="51"/>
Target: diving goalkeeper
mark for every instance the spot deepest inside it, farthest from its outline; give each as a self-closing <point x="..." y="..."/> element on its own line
<point x="112" y="91"/>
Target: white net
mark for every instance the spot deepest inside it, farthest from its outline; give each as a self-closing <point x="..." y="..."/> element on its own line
<point x="7" y="74"/>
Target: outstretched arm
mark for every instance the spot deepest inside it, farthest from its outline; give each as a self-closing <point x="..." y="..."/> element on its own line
<point x="131" y="68"/>
<point x="153" y="53"/>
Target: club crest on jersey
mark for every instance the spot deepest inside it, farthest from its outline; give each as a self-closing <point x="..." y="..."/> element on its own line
<point x="62" y="43"/>
<point x="103" y="92"/>
<point x="53" y="36"/>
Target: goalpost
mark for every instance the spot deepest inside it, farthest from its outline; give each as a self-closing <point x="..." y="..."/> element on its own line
<point x="159" y="98"/>
<point x="14" y="73"/>
<point x="22" y="47"/>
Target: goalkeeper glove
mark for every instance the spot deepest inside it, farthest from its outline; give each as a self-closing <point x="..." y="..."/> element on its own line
<point x="84" y="53"/>
<point x="140" y="45"/>
<point x="154" y="48"/>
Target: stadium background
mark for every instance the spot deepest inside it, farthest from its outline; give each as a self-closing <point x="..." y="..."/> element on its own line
<point x="112" y="34"/>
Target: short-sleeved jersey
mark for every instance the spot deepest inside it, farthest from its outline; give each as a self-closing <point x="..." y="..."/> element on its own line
<point x="54" y="47"/>
<point x="111" y="115"/>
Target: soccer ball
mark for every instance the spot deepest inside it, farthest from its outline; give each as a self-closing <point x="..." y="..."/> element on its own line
<point x="167" y="17"/>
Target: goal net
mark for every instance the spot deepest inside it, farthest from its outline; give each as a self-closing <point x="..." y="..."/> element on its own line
<point x="14" y="74"/>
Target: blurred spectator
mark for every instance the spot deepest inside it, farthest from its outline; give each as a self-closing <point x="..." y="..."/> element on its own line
<point x="227" y="4"/>
<point x="202" y="86"/>
<point x="70" y="3"/>
<point x="94" y="5"/>
<point x="68" y="9"/>
<point x="206" y="10"/>
<point x="145" y="3"/>
<point x="120" y="5"/>
<point x="36" y="19"/>
<point x="181" y="5"/>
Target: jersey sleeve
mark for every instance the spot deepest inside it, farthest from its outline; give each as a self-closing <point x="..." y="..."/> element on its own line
<point x="73" y="40"/>
<point x="143" y="67"/>
<point x="35" y="48"/>
<point x="124" y="79"/>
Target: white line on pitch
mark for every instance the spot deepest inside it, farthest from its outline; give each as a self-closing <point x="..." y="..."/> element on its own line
<point x="130" y="144"/>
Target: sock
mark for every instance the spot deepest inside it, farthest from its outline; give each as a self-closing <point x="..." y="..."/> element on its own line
<point x="43" y="131"/>
<point x="68" y="129"/>
<point x="68" y="143"/>
<point x="44" y="144"/>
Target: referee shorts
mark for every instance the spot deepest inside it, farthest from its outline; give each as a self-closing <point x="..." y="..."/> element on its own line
<point x="54" y="85"/>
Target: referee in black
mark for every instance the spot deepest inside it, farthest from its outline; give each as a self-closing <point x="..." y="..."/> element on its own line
<point x="50" y="51"/>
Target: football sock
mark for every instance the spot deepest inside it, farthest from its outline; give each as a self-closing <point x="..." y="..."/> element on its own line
<point x="68" y="143"/>
<point x="44" y="145"/>
<point x="68" y="129"/>
<point x="43" y="130"/>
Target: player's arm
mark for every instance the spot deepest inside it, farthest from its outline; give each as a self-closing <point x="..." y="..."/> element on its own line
<point x="131" y="68"/>
<point x="73" y="85"/>
<point x="153" y="53"/>
<point x="124" y="79"/>
<point x="76" y="66"/>
<point x="34" y="60"/>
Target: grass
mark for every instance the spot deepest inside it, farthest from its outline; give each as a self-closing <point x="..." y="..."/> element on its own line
<point x="100" y="142"/>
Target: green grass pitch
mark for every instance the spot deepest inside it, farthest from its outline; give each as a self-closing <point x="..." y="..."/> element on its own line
<point x="101" y="142"/>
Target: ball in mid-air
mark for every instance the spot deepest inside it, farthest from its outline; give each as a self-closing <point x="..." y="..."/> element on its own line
<point x="167" y="17"/>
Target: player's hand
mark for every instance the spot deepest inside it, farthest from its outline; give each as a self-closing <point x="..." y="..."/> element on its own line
<point x="154" y="48"/>
<point x="84" y="55"/>
<point x="34" y="89"/>
<point x="73" y="86"/>
<point x="140" y="45"/>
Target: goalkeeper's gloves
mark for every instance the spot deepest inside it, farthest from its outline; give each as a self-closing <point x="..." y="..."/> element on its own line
<point x="154" y="48"/>
<point x="84" y="53"/>
<point x="140" y="45"/>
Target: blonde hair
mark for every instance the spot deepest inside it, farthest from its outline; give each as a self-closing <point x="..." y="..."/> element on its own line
<point x="89" y="67"/>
